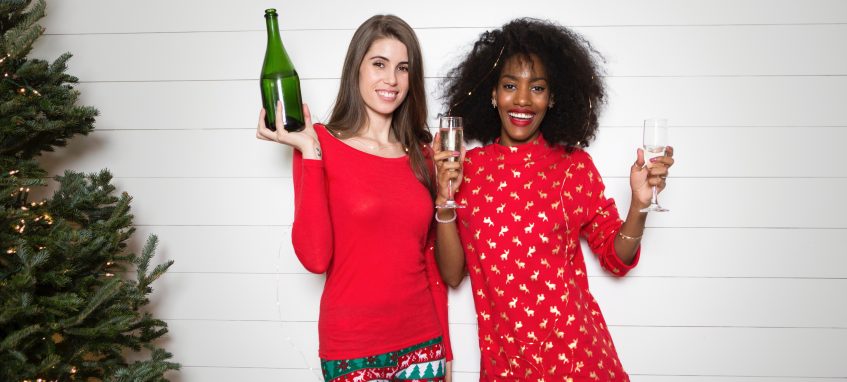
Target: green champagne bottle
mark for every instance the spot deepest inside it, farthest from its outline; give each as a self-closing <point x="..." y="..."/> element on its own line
<point x="279" y="81"/>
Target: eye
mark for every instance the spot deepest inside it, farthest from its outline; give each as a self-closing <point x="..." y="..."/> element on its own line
<point x="509" y="86"/>
<point x="538" y="89"/>
<point x="403" y="68"/>
<point x="379" y="64"/>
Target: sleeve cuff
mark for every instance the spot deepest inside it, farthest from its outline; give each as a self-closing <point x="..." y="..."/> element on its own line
<point x="618" y="267"/>
<point x="313" y="163"/>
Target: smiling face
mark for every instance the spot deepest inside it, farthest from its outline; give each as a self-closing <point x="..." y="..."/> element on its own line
<point x="384" y="77"/>
<point x="522" y="96"/>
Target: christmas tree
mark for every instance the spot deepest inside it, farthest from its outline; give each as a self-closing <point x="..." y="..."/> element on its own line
<point x="71" y="294"/>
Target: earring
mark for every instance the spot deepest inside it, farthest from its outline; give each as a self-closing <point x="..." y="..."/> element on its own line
<point x="493" y="103"/>
<point x="550" y="104"/>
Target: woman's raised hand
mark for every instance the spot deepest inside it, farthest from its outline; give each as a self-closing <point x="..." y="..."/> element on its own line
<point x="643" y="178"/>
<point x="305" y="140"/>
<point x="446" y="170"/>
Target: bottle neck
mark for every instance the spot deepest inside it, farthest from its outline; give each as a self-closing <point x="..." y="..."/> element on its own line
<point x="273" y="31"/>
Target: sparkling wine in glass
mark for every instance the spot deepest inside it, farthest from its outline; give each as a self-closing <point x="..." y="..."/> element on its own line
<point x="655" y="140"/>
<point x="450" y="132"/>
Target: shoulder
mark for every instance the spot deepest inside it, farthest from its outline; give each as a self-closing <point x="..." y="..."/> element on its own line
<point x="477" y="153"/>
<point x="577" y="153"/>
<point x="578" y="156"/>
<point x="475" y="157"/>
<point x="325" y="136"/>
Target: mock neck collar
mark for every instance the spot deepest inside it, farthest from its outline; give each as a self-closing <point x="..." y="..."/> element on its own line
<point x="525" y="152"/>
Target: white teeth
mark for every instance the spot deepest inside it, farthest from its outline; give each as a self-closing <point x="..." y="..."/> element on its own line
<point x="386" y="94"/>
<point x="521" y="115"/>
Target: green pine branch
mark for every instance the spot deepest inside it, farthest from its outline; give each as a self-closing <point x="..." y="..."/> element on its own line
<point x="68" y="308"/>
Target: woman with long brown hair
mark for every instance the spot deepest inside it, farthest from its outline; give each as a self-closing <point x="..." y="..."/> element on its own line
<point x="363" y="190"/>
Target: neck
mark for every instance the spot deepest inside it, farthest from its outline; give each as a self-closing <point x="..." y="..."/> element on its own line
<point x="378" y="128"/>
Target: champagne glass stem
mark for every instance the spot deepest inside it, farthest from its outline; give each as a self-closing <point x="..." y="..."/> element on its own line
<point x="450" y="190"/>
<point x="655" y="197"/>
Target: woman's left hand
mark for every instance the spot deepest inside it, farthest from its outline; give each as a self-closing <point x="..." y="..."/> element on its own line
<point x="446" y="170"/>
<point x="643" y="178"/>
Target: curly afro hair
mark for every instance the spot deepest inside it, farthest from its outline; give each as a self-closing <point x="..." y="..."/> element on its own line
<point x="574" y="80"/>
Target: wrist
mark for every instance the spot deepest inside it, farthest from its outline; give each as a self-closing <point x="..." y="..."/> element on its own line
<point x="445" y="215"/>
<point x="311" y="151"/>
<point x="636" y="205"/>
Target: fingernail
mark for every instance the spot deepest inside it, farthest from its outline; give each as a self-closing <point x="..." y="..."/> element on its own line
<point x="456" y="153"/>
<point x="654" y="159"/>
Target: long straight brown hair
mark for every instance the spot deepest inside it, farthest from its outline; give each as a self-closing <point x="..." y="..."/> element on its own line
<point x="408" y="121"/>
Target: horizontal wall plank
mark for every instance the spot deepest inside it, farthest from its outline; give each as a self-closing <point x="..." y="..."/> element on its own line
<point x="243" y="344"/>
<point x="720" y="203"/>
<point x="803" y="353"/>
<point x="223" y="249"/>
<point x="731" y="252"/>
<point x="700" y="152"/>
<point x="686" y="102"/>
<point x="722" y="302"/>
<point x="637" y="301"/>
<point x="98" y="16"/>
<point x="210" y="201"/>
<point x="220" y="297"/>
<point x="251" y="297"/>
<point x="643" y="350"/>
<point x="667" y="252"/>
<point x="752" y="203"/>
<point x="629" y="51"/>
<point x="729" y="151"/>
<point x="174" y="153"/>
<point x="727" y="101"/>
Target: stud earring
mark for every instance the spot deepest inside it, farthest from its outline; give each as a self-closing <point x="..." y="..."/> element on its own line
<point x="493" y="103"/>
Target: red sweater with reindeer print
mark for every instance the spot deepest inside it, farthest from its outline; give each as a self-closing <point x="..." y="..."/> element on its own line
<point x="527" y="207"/>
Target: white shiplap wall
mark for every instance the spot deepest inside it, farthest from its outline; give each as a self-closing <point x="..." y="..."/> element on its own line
<point x="746" y="280"/>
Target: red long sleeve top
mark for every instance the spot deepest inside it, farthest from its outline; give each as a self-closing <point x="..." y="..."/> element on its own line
<point x="365" y="221"/>
<point x="527" y="207"/>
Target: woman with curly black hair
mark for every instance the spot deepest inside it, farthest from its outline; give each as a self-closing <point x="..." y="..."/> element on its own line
<point x="531" y="92"/>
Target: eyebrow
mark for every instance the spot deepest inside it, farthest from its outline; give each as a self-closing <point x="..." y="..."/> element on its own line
<point x="386" y="59"/>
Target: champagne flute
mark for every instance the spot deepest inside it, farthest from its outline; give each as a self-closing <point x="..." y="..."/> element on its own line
<point x="655" y="140"/>
<point x="450" y="133"/>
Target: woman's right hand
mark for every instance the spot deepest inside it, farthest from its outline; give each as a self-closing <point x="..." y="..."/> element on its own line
<point x="306" y="140"/>
<point x="446" y="170"/>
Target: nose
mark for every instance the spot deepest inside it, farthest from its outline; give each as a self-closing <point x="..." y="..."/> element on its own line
<point x="523" y="96"/>
<point x="390" y="77"/>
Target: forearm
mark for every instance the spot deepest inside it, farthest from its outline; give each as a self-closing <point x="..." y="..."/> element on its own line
<point x="629" y="238"/>
<point x="448" y="249"/>
<point x="311" y="233"/>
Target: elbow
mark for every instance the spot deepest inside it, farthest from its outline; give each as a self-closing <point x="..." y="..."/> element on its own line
<point x="312" y="263"/>
<point x="315" y="259"/>
<point x="454" y="283"/>
<point x="315" y="268"/>
<point x="453" y="280"/>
